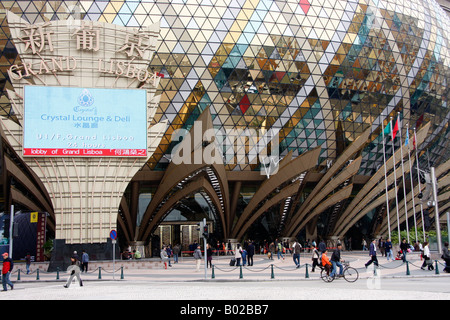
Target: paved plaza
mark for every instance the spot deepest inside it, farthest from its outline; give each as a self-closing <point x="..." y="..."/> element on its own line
<point x="276" y="279"/>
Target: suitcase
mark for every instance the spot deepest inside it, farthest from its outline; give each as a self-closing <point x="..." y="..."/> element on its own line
<point x="232" y="262"/>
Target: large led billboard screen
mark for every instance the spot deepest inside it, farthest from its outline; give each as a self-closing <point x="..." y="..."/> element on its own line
<point x="85" y="122"/>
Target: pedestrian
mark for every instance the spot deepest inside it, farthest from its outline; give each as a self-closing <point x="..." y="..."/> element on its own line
<point x="364" y="245"/>
<point x="74" y="270"/>
<point x="8" y="265"/>
<point x="372" y="254"/>
<point x="315" y="258"/>
<point x="164" y="257"/>
<point x="322" y="246"/>
<point x="446" y="257"/>
<point x="296" y="248"/>
<point x="427" y="257"/>
<point x="381" y="246"/>
<point x="238" y="254"/>
<point x="209" y="254"/>
<point x="388" y="249"/>
<point x="271" y="250"/>
<point x="169" y="253"/>
<point x="28" y="262"/>
<point x="404" y="247"/>
<point x="336" y="261"/>
<point x="176" y="253"/>
<point x="198" y="257"/>
<point x="229" y="248"/>
<point x="84" y="261"/>
<point x="280" y="251"/>
<point x="244" y="256"/>
<point x="250" y="253"/>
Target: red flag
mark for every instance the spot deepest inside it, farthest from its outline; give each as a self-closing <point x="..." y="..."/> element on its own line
<point x="419" y="121"/>
<point x="394" y="132"/>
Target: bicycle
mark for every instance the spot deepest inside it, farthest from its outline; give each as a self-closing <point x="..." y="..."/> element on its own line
<point x="350" y="274"/>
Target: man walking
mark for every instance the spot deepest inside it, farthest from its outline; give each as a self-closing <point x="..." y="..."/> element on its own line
<point x="296" y="247"/>
<point x="6" y="272"/>
<point x="388" y="249"/>
<point x="373" y="254"/>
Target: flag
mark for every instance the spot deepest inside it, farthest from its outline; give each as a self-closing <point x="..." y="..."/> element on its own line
<point x="407" y="138"/>
<point x="387" y="130"/>
<point x="419" y="121"/>
<point x="395" y="131"/>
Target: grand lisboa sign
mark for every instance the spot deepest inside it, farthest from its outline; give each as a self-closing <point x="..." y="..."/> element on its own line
<point x="84" y="100"/>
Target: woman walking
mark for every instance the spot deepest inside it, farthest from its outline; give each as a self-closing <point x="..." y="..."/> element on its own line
<point x="427" y="262"/>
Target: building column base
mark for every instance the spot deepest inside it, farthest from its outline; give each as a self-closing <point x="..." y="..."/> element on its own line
<point x="62" y="252"/>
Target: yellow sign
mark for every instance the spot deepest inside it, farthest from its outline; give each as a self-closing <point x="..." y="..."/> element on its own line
<point x="34" y="217"/>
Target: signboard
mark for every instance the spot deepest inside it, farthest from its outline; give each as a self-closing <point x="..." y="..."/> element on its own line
<point x="33" y="217"/>
<point x="113" y="235"/>
<point x="85" y="122"/>
<point x="41" y="231"/>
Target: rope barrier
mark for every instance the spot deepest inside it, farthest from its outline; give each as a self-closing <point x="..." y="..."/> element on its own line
<point x="241" y="267"/>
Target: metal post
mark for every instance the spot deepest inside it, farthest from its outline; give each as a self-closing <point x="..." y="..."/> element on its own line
<point x="11" y="230"/>
<point x="448" y="225"/>
<point x="114" y="259"/>
<point x="436" y="210"/>
<point x="204" y="246"/>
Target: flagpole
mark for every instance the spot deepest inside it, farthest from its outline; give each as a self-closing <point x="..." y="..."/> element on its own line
<point x="411" y="180"/>
<point x="420" y="188"/>
<point x="395" y="183"/>
<point x="403" y="176"/>
<point x="386" y="183"/>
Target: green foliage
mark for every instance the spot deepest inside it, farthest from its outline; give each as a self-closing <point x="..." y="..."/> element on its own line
<point x="429" y="235"/>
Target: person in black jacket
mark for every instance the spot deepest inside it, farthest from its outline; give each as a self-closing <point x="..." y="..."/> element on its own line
<point x="336" y="261"/>
<point x="250" y="253"/>
<point x="404" y="246"/>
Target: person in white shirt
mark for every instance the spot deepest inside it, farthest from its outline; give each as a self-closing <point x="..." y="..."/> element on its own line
<point x="427" y="258"/>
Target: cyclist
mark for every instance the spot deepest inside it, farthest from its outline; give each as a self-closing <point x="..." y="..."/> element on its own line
<point x="336" y="261"/>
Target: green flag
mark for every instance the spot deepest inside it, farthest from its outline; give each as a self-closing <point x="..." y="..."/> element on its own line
<point x="388" y="129"/>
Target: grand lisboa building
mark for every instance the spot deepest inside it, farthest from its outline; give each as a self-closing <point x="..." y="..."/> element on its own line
<point x="337" y="112"/>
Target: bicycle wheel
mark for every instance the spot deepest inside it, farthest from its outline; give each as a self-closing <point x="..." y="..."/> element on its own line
<point x="351" y="274"/>
<point x="325" y="277"/>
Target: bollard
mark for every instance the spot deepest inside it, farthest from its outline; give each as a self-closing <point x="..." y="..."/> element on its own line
<point x="57" y="273"/>
<point x="99" y="273"/>
<point x="37" y="274"/>
<point x="212" y="273"/>
<point x="407" y="269"/>
<point x="437" y="268"/>
<point x="307" y="273"/>
<point x="241" y="276"/>
<point x="272" y="275"/>
<point x="121" y="273"/>
<point x="18" y="274"/>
